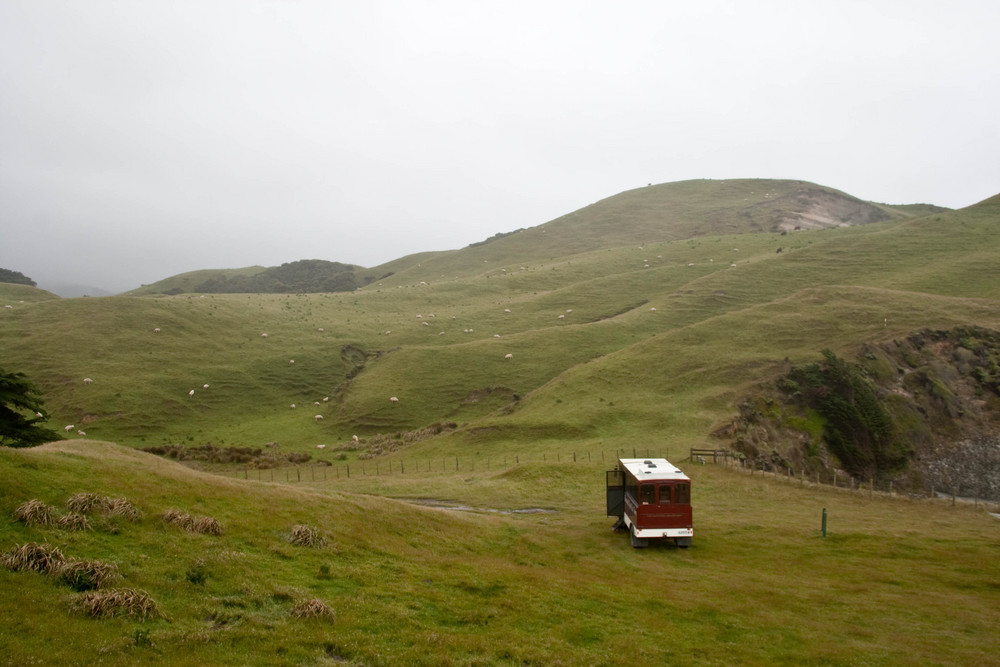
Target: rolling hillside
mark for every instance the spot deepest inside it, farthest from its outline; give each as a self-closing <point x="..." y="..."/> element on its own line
<point x="521" y="367"/>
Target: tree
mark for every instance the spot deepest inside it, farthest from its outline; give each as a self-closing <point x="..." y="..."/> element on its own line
<point x="17" y="397"/>
<point x="8" y="276"/>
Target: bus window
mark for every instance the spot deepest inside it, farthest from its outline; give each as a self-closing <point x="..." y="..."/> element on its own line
<point x="646" y="492"/>
<point x="665" y="494"/>
<point x="631" y="488"/>
<point x="682" y="494"/>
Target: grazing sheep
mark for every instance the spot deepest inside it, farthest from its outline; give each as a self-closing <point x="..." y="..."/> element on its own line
<point x="653" y="309"/>
<point x="87" y="381"/>
<point x="320" y="330"/>
<point x="292" y="406"/>
<point x="204" y="386"/>
<point x="291" y="362"/>
<point x="68" y="427"/>
<point x="81" y="434"/>
<point x="318" y="417"/>
<point x="354" y="438"/>
<point x="191" y="393"/>
<point x="506" y="310"/>
<point x="326" y="398"/>
<point x="316" y="402"/>
<point x="496" y="335"/>
<point x="561" y="317"/>
<point x="156" y="329"/>
<point x="508" y="356"/>
<point x="320" y="446"/>
<point x="426" y="324"/>
<point x="393" y="399"/>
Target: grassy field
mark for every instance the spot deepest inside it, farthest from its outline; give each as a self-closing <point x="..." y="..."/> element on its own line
<point x="895" y="581"/>
<point x="641" y="333"/>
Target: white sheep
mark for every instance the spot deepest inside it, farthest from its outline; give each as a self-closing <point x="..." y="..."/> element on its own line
<point x="561" y="317"/>
<point x="191" y="393"/>
<point x="204" y="386"/>
<point x="81" y="434"/>
<point x="354" y="438"/>
<point x="87" y="381"/>
<point x="508" y="356"/>
<point x="68" y="427"/>
<point x="506" y="310"/>
<point x="326" y="398"/>
<point x="393" y="399"/>
<point x="318" y="417"/>
<point x="320" y="446"/>
<point x="293" y="406"/>
<point x="156" y="329"/>
<point x="263" y="335"/>
<point x="320" y="330"/>
<point x="426" y="324"/>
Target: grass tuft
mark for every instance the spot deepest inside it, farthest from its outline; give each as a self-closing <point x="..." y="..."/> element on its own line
<point x="203" y="524"/>
<point x="117" y="602"/>
<point x="88" y="503"/>
<point x="306" y="536"/>
<point x="124" y="508"/>
<point x="73" y="521"/>
<point x="313" y="608"/>
<point x="176" y="517"/>
<point x="85" y="575"/>
<point x="35" y="513"/>
<point x="207" y="525"/>
<point x="44" y="558"/>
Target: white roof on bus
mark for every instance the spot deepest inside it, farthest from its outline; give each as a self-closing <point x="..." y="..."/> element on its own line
<point x="652" y="469"/>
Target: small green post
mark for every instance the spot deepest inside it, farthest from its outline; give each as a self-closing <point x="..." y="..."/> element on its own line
<point x="824" y="522"/>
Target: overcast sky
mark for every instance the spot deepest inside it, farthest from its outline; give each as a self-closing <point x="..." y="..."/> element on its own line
<point x="141" y="139"/>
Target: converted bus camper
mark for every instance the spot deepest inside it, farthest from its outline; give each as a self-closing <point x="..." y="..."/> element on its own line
<point x="651" y="499"/>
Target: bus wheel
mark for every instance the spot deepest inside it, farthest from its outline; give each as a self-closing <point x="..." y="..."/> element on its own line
<point x="637" y="542"/>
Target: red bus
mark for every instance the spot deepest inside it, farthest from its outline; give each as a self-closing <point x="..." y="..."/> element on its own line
<point x="652" y="500"/>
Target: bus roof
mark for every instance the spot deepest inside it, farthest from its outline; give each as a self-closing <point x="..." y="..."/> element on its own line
<point x="652" y="469"/>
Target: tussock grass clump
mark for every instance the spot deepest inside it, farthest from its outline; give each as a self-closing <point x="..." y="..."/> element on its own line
<point x="117" y="602"/>
<point x="176" y="517"/>
<point x="207" y="525"/>
<point x="88" y="503"/>
<point x="124" y="508"/>
<point x="34" y="557"/>
<point x="73" y="521"/>
<point x="314" y="608"/>
<point x="85" y="575"/>
<point x="306" y="536"/>
<point x="35" y="513"/>
<point x="203" y="524"/>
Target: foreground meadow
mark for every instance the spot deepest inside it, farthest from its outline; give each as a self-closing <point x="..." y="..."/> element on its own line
<point x="895" y="581"/>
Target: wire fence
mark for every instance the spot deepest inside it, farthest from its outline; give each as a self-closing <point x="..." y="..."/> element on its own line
<point x="327" y="471"/>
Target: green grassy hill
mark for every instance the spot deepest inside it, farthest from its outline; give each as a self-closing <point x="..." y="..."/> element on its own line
<point x="894" y="582"/>
<point x="639" y="322"/>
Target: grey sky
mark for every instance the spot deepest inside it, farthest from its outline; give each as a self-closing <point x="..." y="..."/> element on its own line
<point x="143" y="139"/>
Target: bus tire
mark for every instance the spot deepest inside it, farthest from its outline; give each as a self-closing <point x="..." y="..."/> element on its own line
<point x="637" y="542"/>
